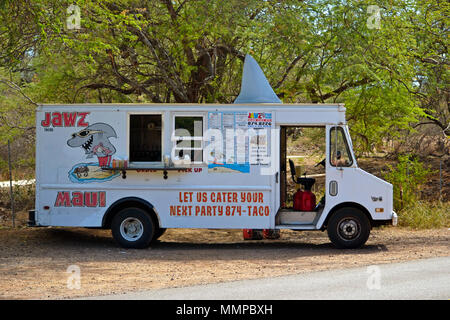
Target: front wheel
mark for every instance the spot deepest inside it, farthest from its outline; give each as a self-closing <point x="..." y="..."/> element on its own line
<point x="133" y="228"/>
<point x="348" y="228"/>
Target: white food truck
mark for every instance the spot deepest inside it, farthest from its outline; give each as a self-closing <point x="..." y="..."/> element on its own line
<point x="139" y="169"/>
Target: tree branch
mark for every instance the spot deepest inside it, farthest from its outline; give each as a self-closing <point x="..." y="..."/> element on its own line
<point x="289" y="68"/>
<point x="14" y="86"/>
<point x="344" y="87"/>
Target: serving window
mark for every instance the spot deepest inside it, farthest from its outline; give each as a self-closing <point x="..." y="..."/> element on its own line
<point x="145" y="138"/>
<point x="188" y="137"/>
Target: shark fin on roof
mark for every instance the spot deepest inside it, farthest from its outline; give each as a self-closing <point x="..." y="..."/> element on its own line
<point x="255" y="87"/>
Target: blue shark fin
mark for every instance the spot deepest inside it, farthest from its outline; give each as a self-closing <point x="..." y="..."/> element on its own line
<point x="255" y="87"/>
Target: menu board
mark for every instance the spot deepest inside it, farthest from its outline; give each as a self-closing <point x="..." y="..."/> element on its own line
<point x="238" y="139"/>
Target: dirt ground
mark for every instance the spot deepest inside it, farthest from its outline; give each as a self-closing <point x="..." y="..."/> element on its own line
<point x="34" y="262"/>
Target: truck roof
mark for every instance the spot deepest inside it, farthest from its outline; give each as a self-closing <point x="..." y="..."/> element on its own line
<point x="339" y="106"/>
<point x="285" y="114"/>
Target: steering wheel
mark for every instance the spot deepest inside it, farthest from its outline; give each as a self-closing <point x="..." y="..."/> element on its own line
<point x="321" y="163"/>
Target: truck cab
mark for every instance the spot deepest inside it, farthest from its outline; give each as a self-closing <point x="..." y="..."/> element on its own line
<point x="354" y="200"/>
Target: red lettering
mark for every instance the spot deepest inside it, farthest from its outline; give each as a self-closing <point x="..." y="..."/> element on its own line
<point x="62" y="199"/>
<point x="261" y="211"/>
<point x="81" y="122"/>
<point x="80" y="199"/>
<point x="46" y="121"/>
<point x="102" y="202"/>
<point x="56" y="119"/>
<point x="185" y="196"/>
<point x="202" y="197"/>
<point x="77" y="199"/>
<point x="66" y="119"/>
<point x="90" y="199"/>
<point x="69" y="119"/>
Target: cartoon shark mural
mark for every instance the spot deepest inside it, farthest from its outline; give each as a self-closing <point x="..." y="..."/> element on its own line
<point x="94" y="140"/>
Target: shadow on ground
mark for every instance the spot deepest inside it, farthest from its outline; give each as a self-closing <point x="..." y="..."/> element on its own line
<point x="179" y="244"/>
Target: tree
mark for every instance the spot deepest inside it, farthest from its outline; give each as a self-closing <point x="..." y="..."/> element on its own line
<point x="388" y="74"/>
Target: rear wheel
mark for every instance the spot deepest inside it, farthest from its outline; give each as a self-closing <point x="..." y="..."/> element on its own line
<point x="133" y="228"/>
<point x="348" y="228"/>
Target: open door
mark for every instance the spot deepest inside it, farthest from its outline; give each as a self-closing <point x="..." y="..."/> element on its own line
<point x="302" y="166"/>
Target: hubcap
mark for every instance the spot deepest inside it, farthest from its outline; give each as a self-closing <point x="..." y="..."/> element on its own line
<point x="348" y="229"/>
<point x="131" y="229"/>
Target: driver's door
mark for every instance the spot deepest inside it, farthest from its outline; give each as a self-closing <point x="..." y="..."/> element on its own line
<point x="339" y="165"/>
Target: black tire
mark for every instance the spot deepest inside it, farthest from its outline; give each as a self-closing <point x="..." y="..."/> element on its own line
<point x="348" y="228"/>
<point x="133" y="228"/>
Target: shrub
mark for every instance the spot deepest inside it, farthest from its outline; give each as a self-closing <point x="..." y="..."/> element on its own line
<point x="407" y="177"/>
<point x="425" y="215"/>
<point x="24" y="196"/>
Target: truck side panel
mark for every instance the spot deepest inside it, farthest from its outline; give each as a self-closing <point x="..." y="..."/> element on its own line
<point x="73" y="190"/>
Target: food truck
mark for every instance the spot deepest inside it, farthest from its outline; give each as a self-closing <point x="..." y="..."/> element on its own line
<point x="139" y="169"/>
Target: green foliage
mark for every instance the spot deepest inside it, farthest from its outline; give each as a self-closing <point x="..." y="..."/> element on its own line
<point x="424" y="215"/>
<point x="375" y="112"/>
<point x="407" y="177"/>
<point x="165" y="51"/>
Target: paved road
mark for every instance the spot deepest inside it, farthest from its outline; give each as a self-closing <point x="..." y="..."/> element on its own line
<point x="420" y="279"/>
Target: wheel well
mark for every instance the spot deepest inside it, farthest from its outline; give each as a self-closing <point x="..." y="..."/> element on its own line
<point x="125" y="203"/>
<point x="351" y="205"/>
